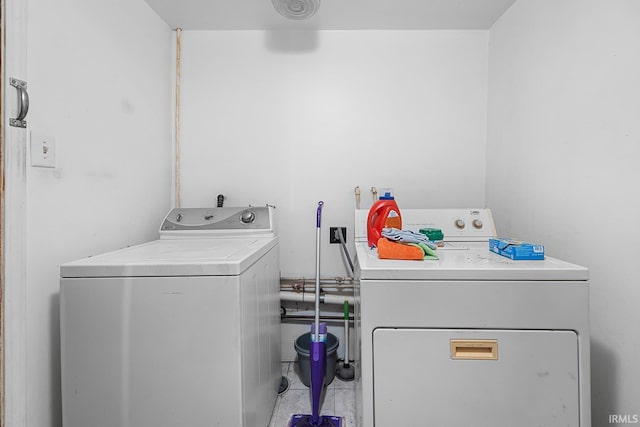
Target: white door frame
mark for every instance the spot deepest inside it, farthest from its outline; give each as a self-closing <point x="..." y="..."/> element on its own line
<point x="14" y="232"/>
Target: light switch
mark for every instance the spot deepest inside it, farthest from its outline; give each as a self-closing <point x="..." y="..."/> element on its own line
<point x="43" y="150"/>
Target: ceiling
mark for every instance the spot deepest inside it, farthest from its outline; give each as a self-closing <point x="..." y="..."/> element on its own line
<point x="333" y="15"/>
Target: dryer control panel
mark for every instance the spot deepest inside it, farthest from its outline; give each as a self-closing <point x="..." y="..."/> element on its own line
<point x="204" y="222"/>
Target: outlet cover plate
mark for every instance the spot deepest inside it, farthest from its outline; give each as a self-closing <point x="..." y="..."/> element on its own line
<point x="43" y="150"/>
<point x="333" y="234"/>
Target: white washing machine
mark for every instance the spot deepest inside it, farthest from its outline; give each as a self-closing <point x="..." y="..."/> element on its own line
<point x="473" y="338"/>
<point x="180" y="331"/>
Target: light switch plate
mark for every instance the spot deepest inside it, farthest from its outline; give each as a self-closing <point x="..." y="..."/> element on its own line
<point x="43" y="150"/>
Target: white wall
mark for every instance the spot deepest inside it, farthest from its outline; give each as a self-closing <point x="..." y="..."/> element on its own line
<point x="100" y="83"/>
<point x="562" y="170"/>
<point x="290" y="118"/>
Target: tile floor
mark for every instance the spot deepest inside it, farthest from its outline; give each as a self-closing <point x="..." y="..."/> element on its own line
<point x="339" y="399"/>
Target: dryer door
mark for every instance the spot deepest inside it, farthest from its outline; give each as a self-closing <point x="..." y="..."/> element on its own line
<point x="490" y="378"/>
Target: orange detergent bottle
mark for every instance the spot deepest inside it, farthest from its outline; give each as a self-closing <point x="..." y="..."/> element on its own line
<point x="383" y="214"/>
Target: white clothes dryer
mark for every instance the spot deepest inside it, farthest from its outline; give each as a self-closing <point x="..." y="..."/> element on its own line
<point x="180" y="331"/>
<point x="472" y="338"/>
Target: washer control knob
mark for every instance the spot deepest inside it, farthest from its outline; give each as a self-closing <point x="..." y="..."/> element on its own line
<point x="247" y="217"/>
<point x="460" y="223"/>
<point x="477" y="223"/>
<point x="179" y="217"/>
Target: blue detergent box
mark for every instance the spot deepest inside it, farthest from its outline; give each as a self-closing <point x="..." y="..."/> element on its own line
<point x="515" y="249"/>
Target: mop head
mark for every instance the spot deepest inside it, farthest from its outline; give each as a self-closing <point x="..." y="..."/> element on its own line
<point x="324" y="421"/>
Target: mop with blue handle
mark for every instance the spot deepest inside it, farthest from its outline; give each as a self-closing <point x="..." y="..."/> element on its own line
<point x="318" y="356"/>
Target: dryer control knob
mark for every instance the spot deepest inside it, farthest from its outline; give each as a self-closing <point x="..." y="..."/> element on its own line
<point x="477" y="223"/>
<point x="460" y="223"/>
<point x="247" y="217"/>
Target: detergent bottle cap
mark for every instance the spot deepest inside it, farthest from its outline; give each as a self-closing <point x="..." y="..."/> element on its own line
<point x="386" y="194"/>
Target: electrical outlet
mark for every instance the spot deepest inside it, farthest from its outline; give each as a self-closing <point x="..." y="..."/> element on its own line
<point x="334" y="237"/>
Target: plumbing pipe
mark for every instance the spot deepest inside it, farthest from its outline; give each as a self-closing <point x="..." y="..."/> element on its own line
<point x="302" y="283"/>
<point x="310" y="297"/>
<point x="357" y="191"/>
<point x="300" y="286"/>
<point x="177" y="118"/>
<point x="325" y="280"/>
<point x="309" y="287"/>
<point x="337" y="319"/>
<point x="336" y="280"/>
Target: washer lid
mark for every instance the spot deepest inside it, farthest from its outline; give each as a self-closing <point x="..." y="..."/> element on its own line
<point x="179" y="257"/>
<point x="466" y="261"/>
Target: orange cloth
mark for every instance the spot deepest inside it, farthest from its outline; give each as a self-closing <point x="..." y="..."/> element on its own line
<point x="392" y="250"/>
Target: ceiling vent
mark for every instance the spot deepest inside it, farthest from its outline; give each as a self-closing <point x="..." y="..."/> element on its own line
<point x="296" y="9"/>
